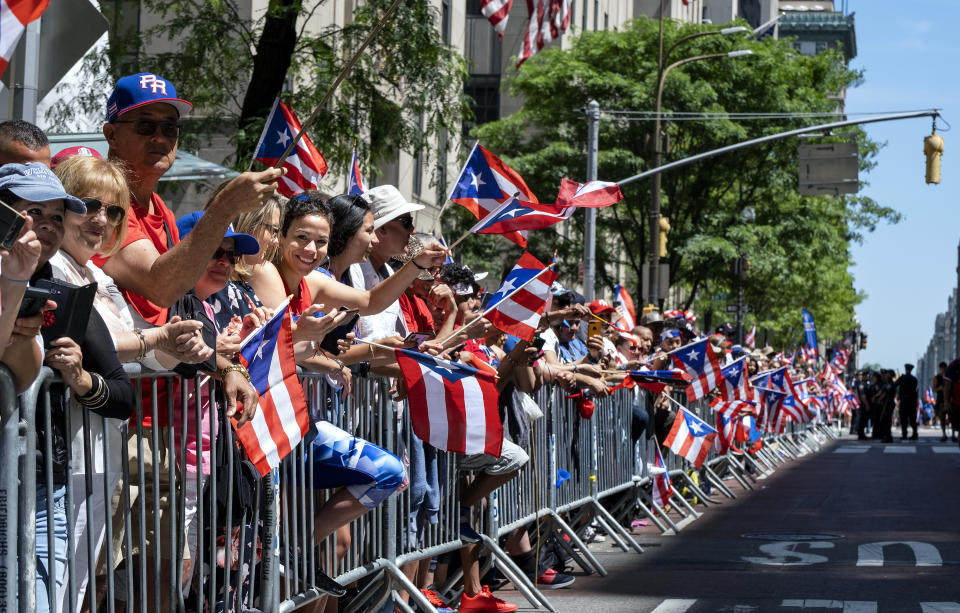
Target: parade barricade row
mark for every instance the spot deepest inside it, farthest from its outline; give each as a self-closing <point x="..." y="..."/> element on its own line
<point x="169" y="516"/>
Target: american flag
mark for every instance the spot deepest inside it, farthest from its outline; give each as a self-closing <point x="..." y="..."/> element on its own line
<point x="497" y="11"/>
<point x="15" y="16"/>
<point x="282" y="417"/>
<point x="735" y="383"/>
<point x="355" y="181"/>
<point x="517" y="306"/>
<point x="593" y="194"/>
<point x="690" y="437"/>
<point x="485" y="183"/>
<point x="305" y="165"/>
<point x="625" y="309"/>
<point x="700" y="362"/>
<point x="751" y="337"/>
<point x="679" y="314"/>
<point x="662" y="488"/>
<point x="452" y="406"/>
<point x="548" y="20"/>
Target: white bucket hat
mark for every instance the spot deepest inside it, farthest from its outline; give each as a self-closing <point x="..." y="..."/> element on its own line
<point x="387" y="204"/>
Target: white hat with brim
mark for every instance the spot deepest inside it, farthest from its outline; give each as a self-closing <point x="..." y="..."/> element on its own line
<point x="387" y="204"/>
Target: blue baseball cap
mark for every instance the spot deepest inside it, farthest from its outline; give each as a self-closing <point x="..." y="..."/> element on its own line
<point x="37" y="183"/>
<point x="244" y="243"/>
<point x="141" y="89"/>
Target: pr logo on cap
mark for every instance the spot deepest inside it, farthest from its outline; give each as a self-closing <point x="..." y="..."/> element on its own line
<point x="157" y="86"/>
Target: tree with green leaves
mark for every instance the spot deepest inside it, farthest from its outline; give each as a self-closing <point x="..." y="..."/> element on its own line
<point x="405" y="90"/>
<point x="797" y="246"/>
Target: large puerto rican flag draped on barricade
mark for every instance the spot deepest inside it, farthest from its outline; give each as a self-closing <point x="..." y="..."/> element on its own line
<point x="486" y="183"/>
<point x="700" y="362"/>
<point x="15" y="16"/>
<point x="625" y="309"/>
<point x="690" y="437"/>
<point x="305" y="165"/>
<point x="452" y="406"/>
<point x="282" y="418"/>
<point x="518" y="304"/>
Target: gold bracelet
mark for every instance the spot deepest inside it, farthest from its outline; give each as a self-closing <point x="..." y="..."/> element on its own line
<point x="240" y="368"/>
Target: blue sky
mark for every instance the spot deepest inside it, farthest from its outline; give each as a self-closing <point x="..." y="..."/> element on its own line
<point x="910" y="53"/>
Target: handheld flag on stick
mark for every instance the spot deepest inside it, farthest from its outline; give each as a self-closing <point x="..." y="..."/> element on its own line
<point x="662" y="488"/>
<point x="699" y="361"/>
<point x="751" y="337"/>
<point x="518" y="304"/>
<point x="282" y="418"/>
<point x="592" y="194"/>
<point x="355" y="182"/>
<point x="15" y="16"/>
<point x="624" y="305"/>
<point x="690" y="437"/>
<point x="305" y="168"/>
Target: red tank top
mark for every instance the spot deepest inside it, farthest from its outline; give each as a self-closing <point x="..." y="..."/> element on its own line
<point x="302" y="299"/>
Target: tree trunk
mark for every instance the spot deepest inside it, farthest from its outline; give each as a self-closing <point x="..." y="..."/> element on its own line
<point x="271" y="62"/>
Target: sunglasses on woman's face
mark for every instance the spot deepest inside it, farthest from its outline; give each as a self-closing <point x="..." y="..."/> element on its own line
<point x="230" y="254"/>
<point x="113" y="212"/>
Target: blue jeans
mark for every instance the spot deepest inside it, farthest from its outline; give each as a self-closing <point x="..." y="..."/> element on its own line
<point x="44" y="572"/>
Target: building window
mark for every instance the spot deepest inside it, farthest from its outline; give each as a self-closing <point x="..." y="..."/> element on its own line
<point x="596" y="14"/>
<point x="482" y="49"/>
<point x="473" y="8"/>
<point x="606" y="21"/>
<point x="445" y="21"/>
<point x="484" y="93"/>
<point x="583" y="18"/>
<point x="822" y="46"/>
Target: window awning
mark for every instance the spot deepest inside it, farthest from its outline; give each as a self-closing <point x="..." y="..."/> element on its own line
<point x="186" y="167"/>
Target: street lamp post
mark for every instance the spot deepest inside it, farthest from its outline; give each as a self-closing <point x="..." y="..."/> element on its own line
<point x="653" y="290"/>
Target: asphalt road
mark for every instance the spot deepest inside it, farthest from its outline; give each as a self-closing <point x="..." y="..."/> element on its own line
<point x="808" y="539"/>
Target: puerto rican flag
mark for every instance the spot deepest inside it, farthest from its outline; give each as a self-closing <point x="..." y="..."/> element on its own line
<point x="305" y="165"/>
<point x="485" y="183"/>
<point x="662" y="488"/>
<point x="15" y="16"/>
<point x="690" y="437"/>
<point x="793" y="408"/>
<point x="282" y="418"/>
<point x="656" y="380"/>
<point x="728" y="421"/>
<point x="516" y="215"/>
<point x="355" y="181"/>
<point x="735" y="384"/>
<point x="928" y="396"/>
<point x="840" y="359"/>
<point x="700" y="362"/>
<point x="624" y="305"/>
<point x="751" y="337"/>
<point x="452" y="406"/>
<point x="518" y="304"/>
<point x="593" y="194"/>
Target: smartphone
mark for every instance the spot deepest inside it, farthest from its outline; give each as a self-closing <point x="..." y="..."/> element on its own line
<point x="329" y="342"/>
<point x="594" y="328"/>
<point x="417" y="338"/>
<point x="33" y="300"/>
<point x="538" y="342"/>
<point x="11" y="223"/>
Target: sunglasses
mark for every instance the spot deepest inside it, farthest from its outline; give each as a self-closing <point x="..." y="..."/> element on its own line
<point x="406" y="221"/>
<point x="113" y="212"/>
<point x="230" y="254"/>
<point x="148" y="127"/>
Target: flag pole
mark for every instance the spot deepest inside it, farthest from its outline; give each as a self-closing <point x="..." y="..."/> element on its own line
<point x="340" y="77"/>
<point x="510" y="295"/>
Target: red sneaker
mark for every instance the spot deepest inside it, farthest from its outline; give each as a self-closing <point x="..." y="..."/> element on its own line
<point x="434" y="599"/>
<point x="485" y="602"/>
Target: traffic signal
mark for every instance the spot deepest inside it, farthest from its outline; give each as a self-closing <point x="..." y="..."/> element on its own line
<point x="863" y="341"/>
<point x="933" y="149"/>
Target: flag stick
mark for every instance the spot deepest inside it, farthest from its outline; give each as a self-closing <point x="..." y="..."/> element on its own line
<point x="485" y="313"/>
<point x="340" y="77"/>
<point x="459" y="240"/>
<point x="436" y="220"/>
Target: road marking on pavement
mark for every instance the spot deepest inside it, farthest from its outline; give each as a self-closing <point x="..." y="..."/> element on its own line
<point x="784" y="553"/>
<point x="854" y="449"/>
<point x="940" y="607"/>
<point x="674" y="605"/>
<point x="925" y="554"/>
<point x="903" y="449"/>
<point x="848" y="606"/>
<point x="946" y="449"/>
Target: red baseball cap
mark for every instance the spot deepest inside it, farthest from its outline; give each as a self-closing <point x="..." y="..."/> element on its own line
<point x="72" y="151"/>
<point x="601" y="306"/>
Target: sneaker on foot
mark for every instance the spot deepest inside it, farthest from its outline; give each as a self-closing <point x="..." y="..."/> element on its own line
<point x="552" y="580"/>
<point x="485" y="602"/>
<point x="468" y="534"/>
<point x="437" y="602"/>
